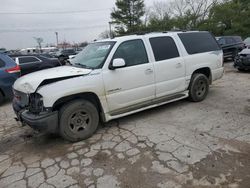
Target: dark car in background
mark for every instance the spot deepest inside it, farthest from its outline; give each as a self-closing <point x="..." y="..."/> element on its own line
<point x="64" y="54"/>
<point x="32" y="63"/>
<point x="9" y="72"/>
<point x="242" y="61"/>
<point x="231" y="45"/>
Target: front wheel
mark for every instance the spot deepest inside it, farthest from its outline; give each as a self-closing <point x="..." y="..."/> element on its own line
<point x="241" y="70"/>
<point x="78" y="120"/>
<point x="199" y="88"/>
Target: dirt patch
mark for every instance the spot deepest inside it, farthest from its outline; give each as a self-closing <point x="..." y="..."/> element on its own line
<point x="223" y="168"/>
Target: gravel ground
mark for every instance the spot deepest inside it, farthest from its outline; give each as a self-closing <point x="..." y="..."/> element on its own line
<point x="182" y="144"/>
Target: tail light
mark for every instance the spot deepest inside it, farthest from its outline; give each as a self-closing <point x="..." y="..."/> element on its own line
<point x="13" y="69"/>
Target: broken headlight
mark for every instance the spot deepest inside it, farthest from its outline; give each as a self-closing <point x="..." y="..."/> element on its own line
<point x="35" y="103"/>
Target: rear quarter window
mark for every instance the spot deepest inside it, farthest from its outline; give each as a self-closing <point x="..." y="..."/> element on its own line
<point x="199" y="42"/>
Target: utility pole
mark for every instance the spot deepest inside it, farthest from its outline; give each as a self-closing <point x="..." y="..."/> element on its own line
<point x="110" y="30"/>
<point x="56" y="39"/>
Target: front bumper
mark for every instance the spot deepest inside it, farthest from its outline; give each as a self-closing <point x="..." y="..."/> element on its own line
<point x="44" y="122"/>
<point x="47" y="122"/>
<point x="242" y="62"/>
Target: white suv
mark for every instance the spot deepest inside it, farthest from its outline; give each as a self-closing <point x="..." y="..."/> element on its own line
<point x="117" y="77"/>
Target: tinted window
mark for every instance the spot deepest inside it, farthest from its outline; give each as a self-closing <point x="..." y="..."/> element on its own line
<point x="230" y="41"/>
<point x="238" y="39"/>
<point x="199" y="42"/>
<point x="27" y="59"/>
<point x="2" y="63"/>
<point x="221" y="41"/>
<point x="164" y="48"/>
<point x="133" y="52"/>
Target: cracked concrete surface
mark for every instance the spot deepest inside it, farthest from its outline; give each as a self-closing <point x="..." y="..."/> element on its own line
<point x="182" y="144"/>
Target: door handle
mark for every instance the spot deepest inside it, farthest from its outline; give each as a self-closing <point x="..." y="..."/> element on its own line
<point x="149" y="71"/>
<point x="178" y="65"/>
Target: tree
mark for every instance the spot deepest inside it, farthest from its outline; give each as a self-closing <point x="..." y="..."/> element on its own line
<point x="39" y="41"/>
<point x="106" y="34"/>
<point x="127" y="15"/>
<point x="231" y="18"/>
<point x="160" y="17"/>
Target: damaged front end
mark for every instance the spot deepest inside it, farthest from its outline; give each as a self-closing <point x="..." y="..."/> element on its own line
<point x="28" y="102"/>
<point x="242" y="61"/>
<point x="30" y="111"/>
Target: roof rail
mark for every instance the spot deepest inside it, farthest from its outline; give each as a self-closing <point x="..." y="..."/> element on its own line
<point x="141" y="33"/>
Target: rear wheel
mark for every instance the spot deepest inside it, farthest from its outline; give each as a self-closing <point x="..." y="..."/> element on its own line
<point x="241" y="70"/>
<point x="78" y="120"/>
<point x="199" y="87"/>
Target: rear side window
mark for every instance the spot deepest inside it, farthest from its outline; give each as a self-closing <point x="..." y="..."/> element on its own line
<point x="238" y="39"/>
<point x="199" y="42"/>
<point x="23" y="60"/>
<point x="2" y="63"/>
<point x="230" y="40"/>
<point x="164" y="48"/>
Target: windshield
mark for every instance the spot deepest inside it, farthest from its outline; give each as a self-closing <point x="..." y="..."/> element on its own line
<point x="93" y="56"/>
<point x="247" y="40"/>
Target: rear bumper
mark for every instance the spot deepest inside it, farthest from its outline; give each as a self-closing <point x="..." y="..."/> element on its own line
<point x="217" y="73"/>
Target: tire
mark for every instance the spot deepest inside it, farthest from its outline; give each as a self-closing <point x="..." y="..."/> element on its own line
<point x="198" y="88"/>
<point x="1" y="98"/>
<point x="78" y="120"/>
<point x="241" y="70"/>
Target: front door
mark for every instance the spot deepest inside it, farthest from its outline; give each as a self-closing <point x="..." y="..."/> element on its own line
<point x="132" y="86"/>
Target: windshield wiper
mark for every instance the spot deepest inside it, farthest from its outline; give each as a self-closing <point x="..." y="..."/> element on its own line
<point x="83" y="66"/>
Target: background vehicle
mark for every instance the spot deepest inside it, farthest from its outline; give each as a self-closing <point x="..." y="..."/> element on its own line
<point x="116" y="77"/>
<point x="32" y="63"/>
<point x="231" y="45"/>
<point x="247" y="42"/>
<point x="242" y="61"/>
<point x="9" y="72"/>
<point x="63" y="55"/>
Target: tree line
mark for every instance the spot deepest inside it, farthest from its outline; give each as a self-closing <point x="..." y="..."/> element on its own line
<point x="221" y="17"/>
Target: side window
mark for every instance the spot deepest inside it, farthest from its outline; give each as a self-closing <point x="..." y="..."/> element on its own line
<point x="133" y="52"/>
<point x="230" y="40"/>
<point x="199" y="42"/>
<point x="23" y="60"/>
<point x="221" y="41"/>
<point x="2" y="63"/>
<point x="164" y="48"/>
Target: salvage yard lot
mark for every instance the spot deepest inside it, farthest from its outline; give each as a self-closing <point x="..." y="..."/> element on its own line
<point x="182" y="144"/>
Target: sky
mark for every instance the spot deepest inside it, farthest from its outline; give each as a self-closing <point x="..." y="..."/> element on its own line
<point x="74" y="20"/>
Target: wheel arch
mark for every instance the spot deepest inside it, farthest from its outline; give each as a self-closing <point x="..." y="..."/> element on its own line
<point x="1" y="91"/>
<point x="206" y="71"/>
<point x="90" y="96"/>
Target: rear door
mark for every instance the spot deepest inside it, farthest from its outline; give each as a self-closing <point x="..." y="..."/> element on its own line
<point x="29" y="64"/>
<point x="7" y="79"/>
<point x="169" y="66"/>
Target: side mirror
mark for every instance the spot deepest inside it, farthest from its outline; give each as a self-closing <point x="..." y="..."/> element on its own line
<point x="117" y="63"/>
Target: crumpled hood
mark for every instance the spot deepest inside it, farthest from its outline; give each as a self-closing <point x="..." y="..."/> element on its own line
<point x="245" y="51"/>
<point x="30" y="82"/>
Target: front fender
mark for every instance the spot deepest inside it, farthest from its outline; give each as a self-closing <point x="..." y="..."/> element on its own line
<point x="83" y="84"/>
